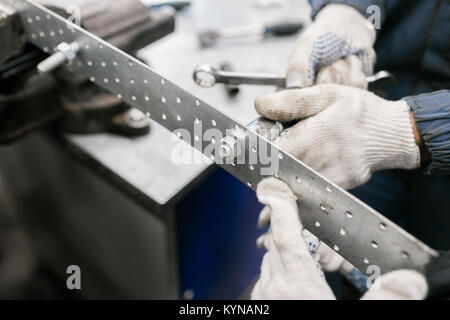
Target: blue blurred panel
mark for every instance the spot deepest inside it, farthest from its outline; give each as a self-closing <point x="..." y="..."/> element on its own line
<point x="216" y="235"/>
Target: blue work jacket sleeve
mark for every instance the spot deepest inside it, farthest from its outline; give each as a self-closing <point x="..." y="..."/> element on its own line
<point x="432" y="114"/>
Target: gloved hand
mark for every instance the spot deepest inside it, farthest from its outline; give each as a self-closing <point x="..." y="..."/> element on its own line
<point x="335" y="48"/>
<point x="347" y="133"/>
<point x="288" y="270"/>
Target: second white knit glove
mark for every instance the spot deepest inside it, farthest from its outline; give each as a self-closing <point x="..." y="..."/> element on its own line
<point x="346" y="133"/>
<point x="335" y="48"/>
<point x="289" y="271"/>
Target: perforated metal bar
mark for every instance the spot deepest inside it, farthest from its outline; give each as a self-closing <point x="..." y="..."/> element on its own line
<point x="356" y="231"/>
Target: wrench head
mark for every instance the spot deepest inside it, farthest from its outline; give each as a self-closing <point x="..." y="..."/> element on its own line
<point x="205" y="76"/>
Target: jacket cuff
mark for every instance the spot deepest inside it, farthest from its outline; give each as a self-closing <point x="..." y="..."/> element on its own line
<point x="360" y="5"/>
<point x="432" y="114"/>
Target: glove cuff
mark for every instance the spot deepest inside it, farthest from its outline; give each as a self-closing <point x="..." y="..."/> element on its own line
<point x="390" y="138"/>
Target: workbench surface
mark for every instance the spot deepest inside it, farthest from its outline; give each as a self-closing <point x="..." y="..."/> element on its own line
<point x="145" y="163"/>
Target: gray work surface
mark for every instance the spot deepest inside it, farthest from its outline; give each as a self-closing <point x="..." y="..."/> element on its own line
<point x="145" y="163"/>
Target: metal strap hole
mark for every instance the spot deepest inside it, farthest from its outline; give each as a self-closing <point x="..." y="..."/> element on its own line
<point x="317" y="224"/>
<point x="374" y="244"/>
<point x="349" y="214"/>
<point x="342" y="232"/>
<point x="383" y="226"/>
<point x="366" y="261"/>
<point x="336" y="248"/>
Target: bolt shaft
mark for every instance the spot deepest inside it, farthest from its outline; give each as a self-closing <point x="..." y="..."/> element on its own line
<point x="51" y="63"/>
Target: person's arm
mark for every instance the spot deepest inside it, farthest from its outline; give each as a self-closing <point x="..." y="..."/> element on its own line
<point x="431" y="116"/>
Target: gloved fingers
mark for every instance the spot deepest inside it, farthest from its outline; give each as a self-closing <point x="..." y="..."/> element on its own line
<point x="264" y="217"/>
<point x="272" y="190"/>
<point x="398" y="285"/>
<point x="285" y="225"/>
<point x="295" y="104"/>
<point x="263" y="241"/>
<point x="297" y="73"/>
<point x="348" y="71"/>
<point x="260" y="242"/>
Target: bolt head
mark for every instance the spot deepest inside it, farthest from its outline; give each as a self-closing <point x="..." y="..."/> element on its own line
<point x="69" y="51"/>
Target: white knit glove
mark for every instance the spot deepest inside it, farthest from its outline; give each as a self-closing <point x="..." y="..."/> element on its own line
<point x="289" y="271"/>
<point x="347" y="133"/>
<point x="335" y="48"/>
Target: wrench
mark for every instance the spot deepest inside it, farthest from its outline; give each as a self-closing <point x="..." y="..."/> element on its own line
<point x="207" y="76"/>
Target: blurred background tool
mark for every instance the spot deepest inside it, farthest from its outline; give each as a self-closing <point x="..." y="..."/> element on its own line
<point x="207" y="76"/>
<point x="208" y="38"/>
<point x="177" y="5"/>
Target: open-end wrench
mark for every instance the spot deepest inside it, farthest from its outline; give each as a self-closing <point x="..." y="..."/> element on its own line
<point x="207" y="76"/>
